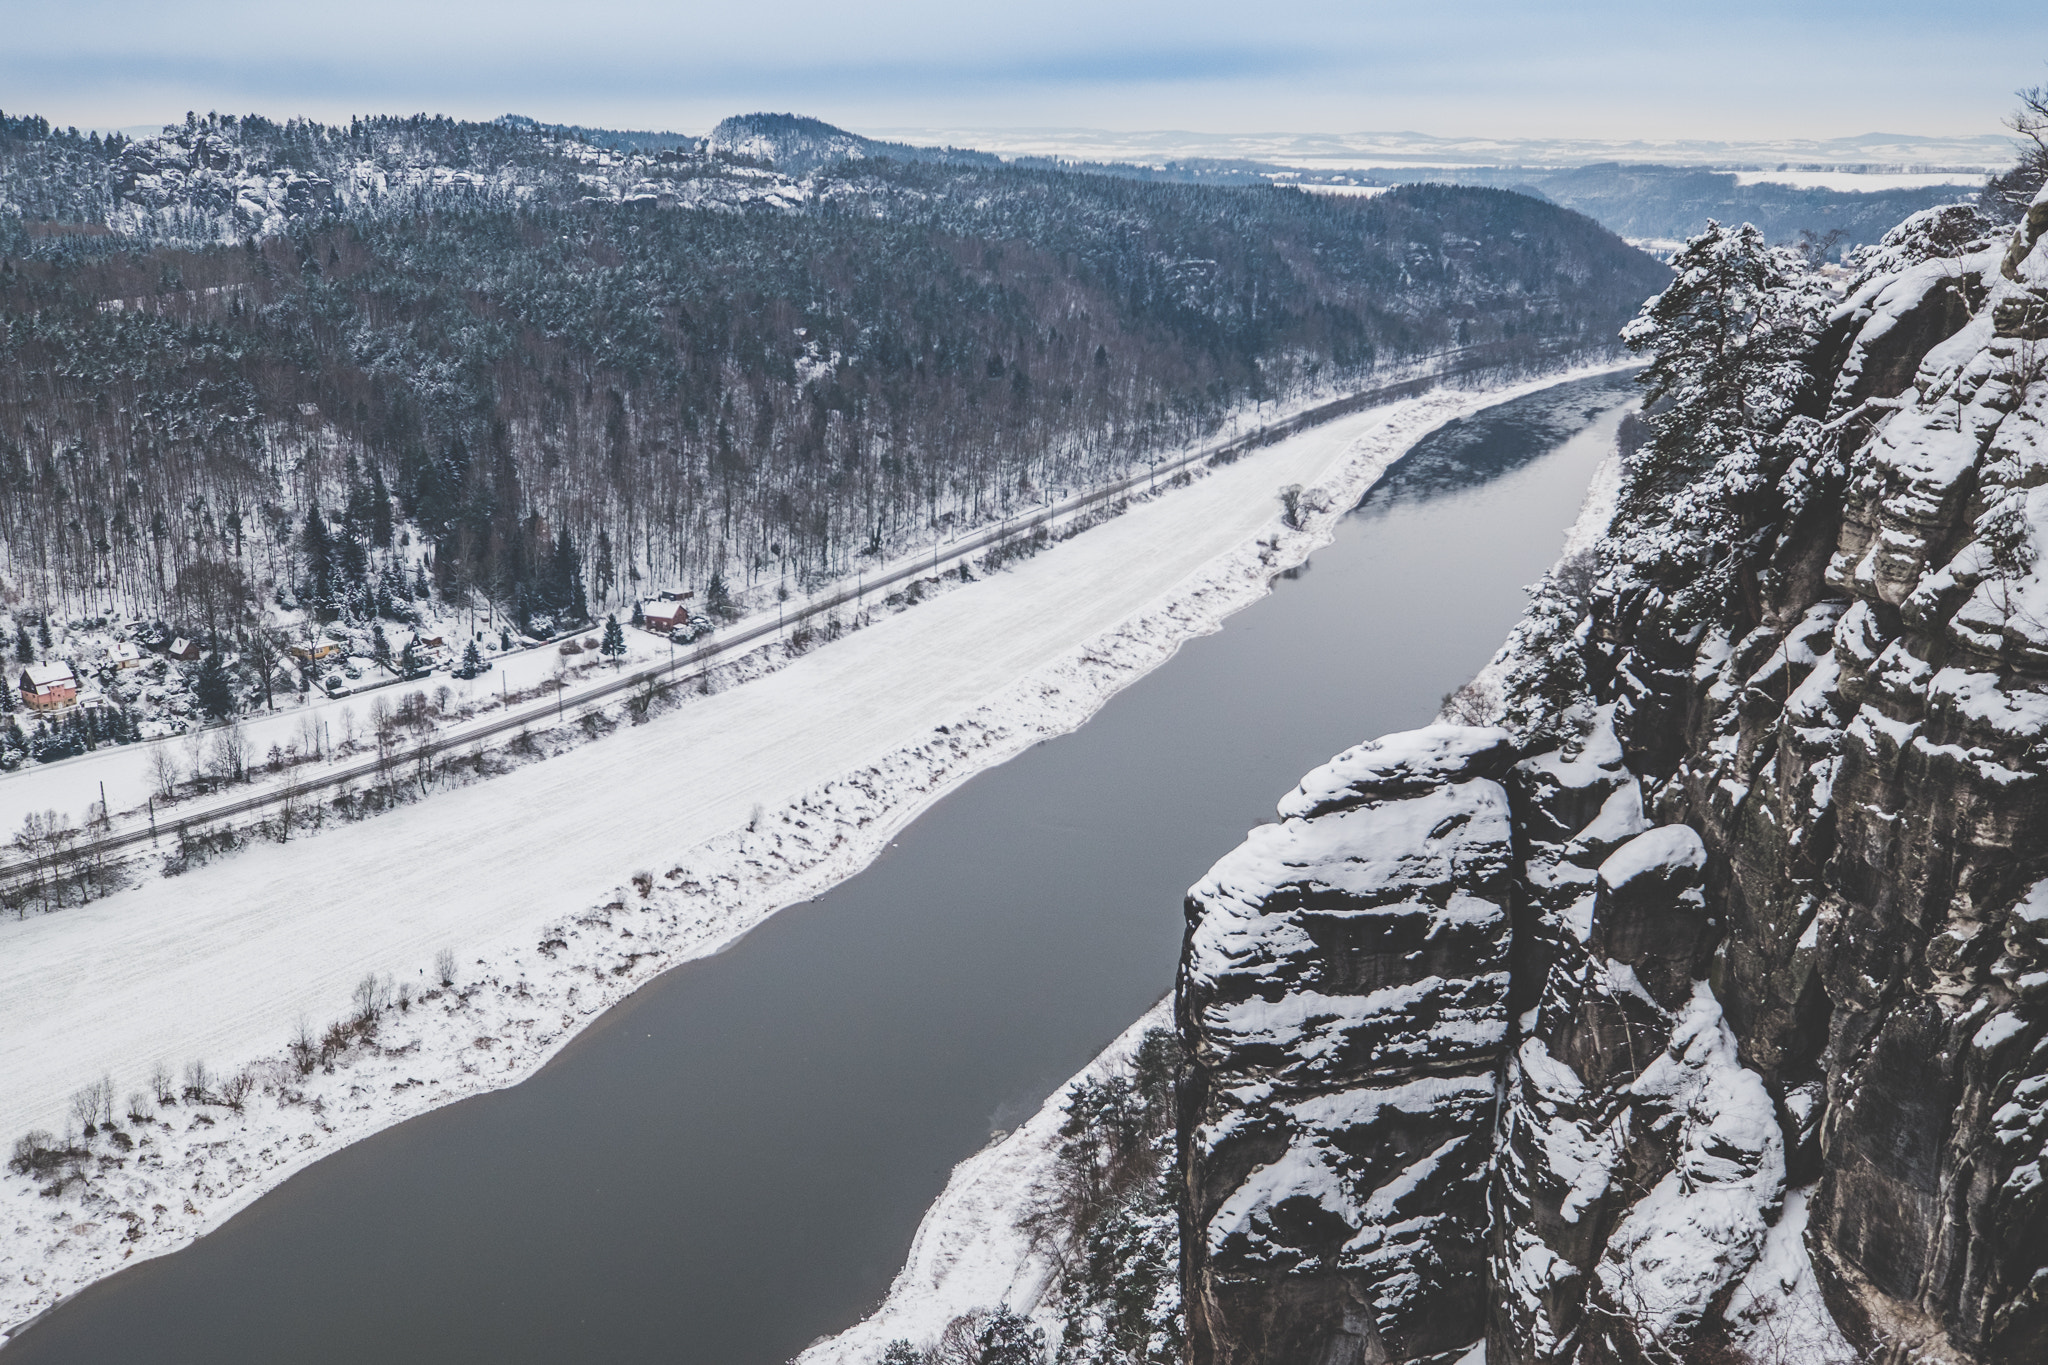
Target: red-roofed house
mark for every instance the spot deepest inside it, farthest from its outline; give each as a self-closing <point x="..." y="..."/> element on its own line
<point x="663" y="617"/>
<point x="47" y="687"/>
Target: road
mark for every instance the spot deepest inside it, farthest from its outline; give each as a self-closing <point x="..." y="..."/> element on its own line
<point x="122" y="836"/>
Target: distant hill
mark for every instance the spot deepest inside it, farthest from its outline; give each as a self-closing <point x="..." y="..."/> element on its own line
<point x="797" y="145"/>
<point x="771" y="352"/>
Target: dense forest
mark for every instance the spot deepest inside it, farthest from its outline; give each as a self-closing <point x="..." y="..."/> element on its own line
<point x="237" y="360"/>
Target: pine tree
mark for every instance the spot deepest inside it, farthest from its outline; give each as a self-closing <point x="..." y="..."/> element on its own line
<point x="565" y="580"/>
<point x="212" y="688"/>
<point x="606" y="571"/>
<point x="380" y="644"/>
<point x="380" y="510"/>
<point x="412" y="660"/>
<point x="319" y="552"/>
<point x="24" y="648"/>
<point x="717" y="596"/>
<point x="1726" y="344"/>
<point x="1008" y="1338"/>
<point x="613" y="646"/>
<point x="472" y="661"/>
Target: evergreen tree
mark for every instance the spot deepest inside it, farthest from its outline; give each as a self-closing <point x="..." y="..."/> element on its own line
<point x="613" y="646"/>
<point x="43" y="632"/>
<point x="420" y="592"/>
<point x="1726" y="343"/>
<point x="319" y="552"/>
<point x="380" y="510"/>
<point x="212" y="688"/>
<point x="351" y="567"/>
<point x="357" y="512"/>
<point x="472" y="661"/>
<point x="392" y="590"/>
<point x="380" y="644"/>
<point x="1008" y="1338"/>
<point x="412" y="660"/>
<point x="565" y="580"/>
<point x="717" y="596"/>
<point x="606" y="571"/>
<point x="24" y="648"/>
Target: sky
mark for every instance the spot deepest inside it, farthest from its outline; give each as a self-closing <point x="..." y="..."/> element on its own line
<point x="1730" y="69"/>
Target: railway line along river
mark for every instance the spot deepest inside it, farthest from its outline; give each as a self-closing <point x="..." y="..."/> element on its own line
<point x="733" y="1162"/>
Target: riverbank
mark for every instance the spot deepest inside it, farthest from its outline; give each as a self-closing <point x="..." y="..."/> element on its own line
<point x="841" y="748"/>
<point x="972" y="1251"/>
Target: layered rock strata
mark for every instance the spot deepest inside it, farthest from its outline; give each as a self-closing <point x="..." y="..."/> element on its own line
<point x="1344" y="997"/>
<point x="1774" y="1020"/>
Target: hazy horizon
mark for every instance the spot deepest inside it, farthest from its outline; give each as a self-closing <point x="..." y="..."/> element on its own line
<point x="1601" y="71"/>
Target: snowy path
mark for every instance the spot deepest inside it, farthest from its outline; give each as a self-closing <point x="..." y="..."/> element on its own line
<point x="221" y="963"/>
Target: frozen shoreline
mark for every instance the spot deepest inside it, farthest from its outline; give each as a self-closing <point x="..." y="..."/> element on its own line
<point x="970" y="1251"/>
<point x="831" y="810"/>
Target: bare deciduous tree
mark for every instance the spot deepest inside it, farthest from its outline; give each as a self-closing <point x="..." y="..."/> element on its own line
<point x="161" y="1086"/>
<point x="93" y="1105"/>
<point x="163" y="770"/>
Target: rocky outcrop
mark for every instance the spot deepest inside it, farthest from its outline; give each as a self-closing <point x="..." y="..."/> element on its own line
<point x="1774" y="1082"/>
<point x="1344" y="1000"/>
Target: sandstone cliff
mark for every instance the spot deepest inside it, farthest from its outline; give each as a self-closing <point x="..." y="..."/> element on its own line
<point x="1707" y="1017"/>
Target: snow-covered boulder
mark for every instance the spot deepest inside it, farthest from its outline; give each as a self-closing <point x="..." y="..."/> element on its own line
<point x="1343" y="998"/>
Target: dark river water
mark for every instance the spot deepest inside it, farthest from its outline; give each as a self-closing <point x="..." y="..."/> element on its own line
<point x="733" y="1162"/>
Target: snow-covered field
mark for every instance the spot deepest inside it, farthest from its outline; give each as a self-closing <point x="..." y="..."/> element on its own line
<point x="1864" y="182"/>
<point x="732" y="806"/>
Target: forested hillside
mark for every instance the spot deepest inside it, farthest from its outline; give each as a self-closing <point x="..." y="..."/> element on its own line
<point x="244" y="364"/>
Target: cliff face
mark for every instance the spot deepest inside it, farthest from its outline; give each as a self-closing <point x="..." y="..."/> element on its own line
<point x="1773" y="1059"/>
<point x="1344" y="997"/>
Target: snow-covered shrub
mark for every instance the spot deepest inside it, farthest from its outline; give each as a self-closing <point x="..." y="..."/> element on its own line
<point x="1546" y="686"/>
<point x="1111" y="1219"/>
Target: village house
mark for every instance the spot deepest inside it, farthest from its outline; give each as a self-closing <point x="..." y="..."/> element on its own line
<point x="126" y="654"/>
<point x="183" y="650"/>
<point x="662" y="617"/>
<point x="317" y="650"/>
<point x="47" y="687"/>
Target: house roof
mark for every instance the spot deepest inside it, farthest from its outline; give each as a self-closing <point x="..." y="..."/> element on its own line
<point x="48" y="675"/>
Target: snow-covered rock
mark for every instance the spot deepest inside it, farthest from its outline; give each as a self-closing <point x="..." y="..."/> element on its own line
<point x="1775" y="1069"/>
<point x="1343" y="997"/>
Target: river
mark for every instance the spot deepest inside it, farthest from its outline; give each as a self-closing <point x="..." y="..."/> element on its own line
<point x="733" y="1162"/>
